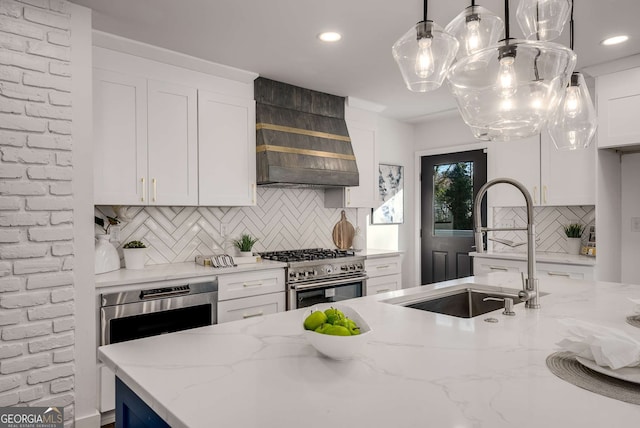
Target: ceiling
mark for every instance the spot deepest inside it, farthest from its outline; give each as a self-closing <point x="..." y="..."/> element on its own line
<point x="277" y="39"/>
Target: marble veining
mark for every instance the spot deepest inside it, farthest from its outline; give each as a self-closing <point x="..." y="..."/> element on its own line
<point x="419" y="369"/>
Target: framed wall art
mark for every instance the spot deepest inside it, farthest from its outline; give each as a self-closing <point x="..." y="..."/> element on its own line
<point x="390" y="194"/>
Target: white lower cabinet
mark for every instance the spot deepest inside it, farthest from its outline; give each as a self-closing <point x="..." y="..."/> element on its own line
<point x="544" y="269"/>
<point x="384" y="274"/>
<point x="249" y="307"/>
<point x="250" y="294"/>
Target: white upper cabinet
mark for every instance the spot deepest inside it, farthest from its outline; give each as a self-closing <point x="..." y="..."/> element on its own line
<point x="146" y="146"/>
<point x="519" y="160"/>
<point x="553" y="177"/>
<point x="168" y="135"/>
<point x="172" y="144"/>
<point x="618" y="103"/>
<point x="227" y="150"/>
<point x="120" y="138"/>
<point x="363" y="141"/>
<point x="567" y="176"/>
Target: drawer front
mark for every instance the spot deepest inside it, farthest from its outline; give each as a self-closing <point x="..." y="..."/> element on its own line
<point x="382" y="284"/>
<point x="249" y="307"/>
<point x="553" y="270"/>
<point x="237" y="285"/>
<point x="488" y="265"/>
<point x="382" y="266"/>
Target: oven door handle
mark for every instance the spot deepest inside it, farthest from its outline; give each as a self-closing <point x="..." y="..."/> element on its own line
<point x="326" y="284"/>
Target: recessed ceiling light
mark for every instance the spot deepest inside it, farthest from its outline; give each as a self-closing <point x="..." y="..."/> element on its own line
<point x="614" y="40"/>
<point x="329" y="36"/>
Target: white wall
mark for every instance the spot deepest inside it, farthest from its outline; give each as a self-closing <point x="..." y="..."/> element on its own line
<point x="86" y="413"/>
<point x="395" y="147"/>
<point x="443" y="130"/>
<point x="630" y="208"/>
<point x="37" y="288"/>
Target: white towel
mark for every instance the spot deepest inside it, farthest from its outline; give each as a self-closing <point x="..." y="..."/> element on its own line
<point x="606" y="346"/>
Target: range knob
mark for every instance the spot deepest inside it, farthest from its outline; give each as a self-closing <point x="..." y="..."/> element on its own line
<point x="309" y="273"/>
<point x="344" y="268"/>
<point x="352" y="267"/>
<point x="293" y="274"/>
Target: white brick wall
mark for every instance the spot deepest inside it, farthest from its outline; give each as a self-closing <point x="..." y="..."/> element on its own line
<point x="37" y="303"/>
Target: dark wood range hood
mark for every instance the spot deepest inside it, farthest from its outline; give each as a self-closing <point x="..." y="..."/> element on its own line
<point x="301" y="138"/>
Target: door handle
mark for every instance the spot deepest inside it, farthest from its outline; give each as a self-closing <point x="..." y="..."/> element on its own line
<point x="544" y="195"/>
<point x="142" y="189"/>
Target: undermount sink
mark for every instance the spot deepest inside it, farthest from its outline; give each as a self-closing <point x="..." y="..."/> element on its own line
<point x="465" y="301"/>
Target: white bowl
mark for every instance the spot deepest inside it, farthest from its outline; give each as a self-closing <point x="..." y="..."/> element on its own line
<point x="338" y="347"/>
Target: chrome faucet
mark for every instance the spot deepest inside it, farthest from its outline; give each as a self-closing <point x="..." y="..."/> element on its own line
<point x="529" y="292"/>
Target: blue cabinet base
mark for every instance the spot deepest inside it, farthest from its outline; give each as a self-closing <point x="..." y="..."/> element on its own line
<point x="132" y="412"/>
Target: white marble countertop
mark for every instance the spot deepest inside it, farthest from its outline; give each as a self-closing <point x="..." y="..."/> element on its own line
<point x="169" y="271"/>
<point x="418" y="369"/>
<point x="372" y="253"/>
<point x="560" y="258"/>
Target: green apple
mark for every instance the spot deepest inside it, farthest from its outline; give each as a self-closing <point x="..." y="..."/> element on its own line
<point x="336" y="330"/>
<point x="315" y="320"/>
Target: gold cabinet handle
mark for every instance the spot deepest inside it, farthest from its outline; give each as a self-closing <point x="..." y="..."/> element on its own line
<point x="382" y="267"/>
<point x="252" y="284"/>
<point x="348" y="196"/>
<point x="384" y="290"/>
<point x="142" y="189"/>
<point x="253" y="193"/>
<point x="155" y="189"/>
<point x="500" y="268"/>
<point x="544" y="194"/>
<point x="535" y="194"/>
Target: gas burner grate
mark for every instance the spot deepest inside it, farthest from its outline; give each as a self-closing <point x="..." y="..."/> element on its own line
<point x="306" y="254"/>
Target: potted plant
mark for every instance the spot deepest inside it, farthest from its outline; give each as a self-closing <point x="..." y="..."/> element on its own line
<point x="134" y="254"/>
<point x="244" y="244"/>
<point x="574" y="237"/>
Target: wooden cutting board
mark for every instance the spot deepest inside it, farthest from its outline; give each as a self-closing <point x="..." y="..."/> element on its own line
<point x="343" y="233"/>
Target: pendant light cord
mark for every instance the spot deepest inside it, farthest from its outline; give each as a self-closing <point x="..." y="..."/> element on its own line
<point x="571" y="26"/>
<point x="424" y="15"/>
<point x="506" y="21"/>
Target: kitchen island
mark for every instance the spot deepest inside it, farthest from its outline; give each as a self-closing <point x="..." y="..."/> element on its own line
<point x="419" y="369"/>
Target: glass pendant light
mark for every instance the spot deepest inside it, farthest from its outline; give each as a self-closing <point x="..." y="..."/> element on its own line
<point x="510" y="90"/>
<point x="574" y="124"/>
<point x="475" y="28"/>
<point x="424" y="55"/>
<point x="543" y="19"/>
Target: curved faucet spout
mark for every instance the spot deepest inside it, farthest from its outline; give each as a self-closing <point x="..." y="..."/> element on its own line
<point x="530" y="285"/>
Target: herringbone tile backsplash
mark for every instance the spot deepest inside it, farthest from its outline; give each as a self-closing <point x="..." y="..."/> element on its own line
<point x="549" y="223"/>
<point x="283" y="219"/>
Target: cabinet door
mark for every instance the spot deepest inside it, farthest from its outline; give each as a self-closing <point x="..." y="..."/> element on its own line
<point x="250" y="307"/>
<point x="172" y="144"/>
<point x="363" y="141"/>
<point x="520" y="160"/>
<point x="227" y="150"/>
<point x="567" y="176"/>
<point x="120" y="138"/>
<point x="618" y="106"/>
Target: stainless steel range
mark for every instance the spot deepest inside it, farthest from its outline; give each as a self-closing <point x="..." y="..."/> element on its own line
<point x="318" y="275"/>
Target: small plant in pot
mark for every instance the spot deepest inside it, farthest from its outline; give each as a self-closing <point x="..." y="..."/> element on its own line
<point x="135" y="253"/>
<point x="245" y="244"/>
<point x="574" y="237"/>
